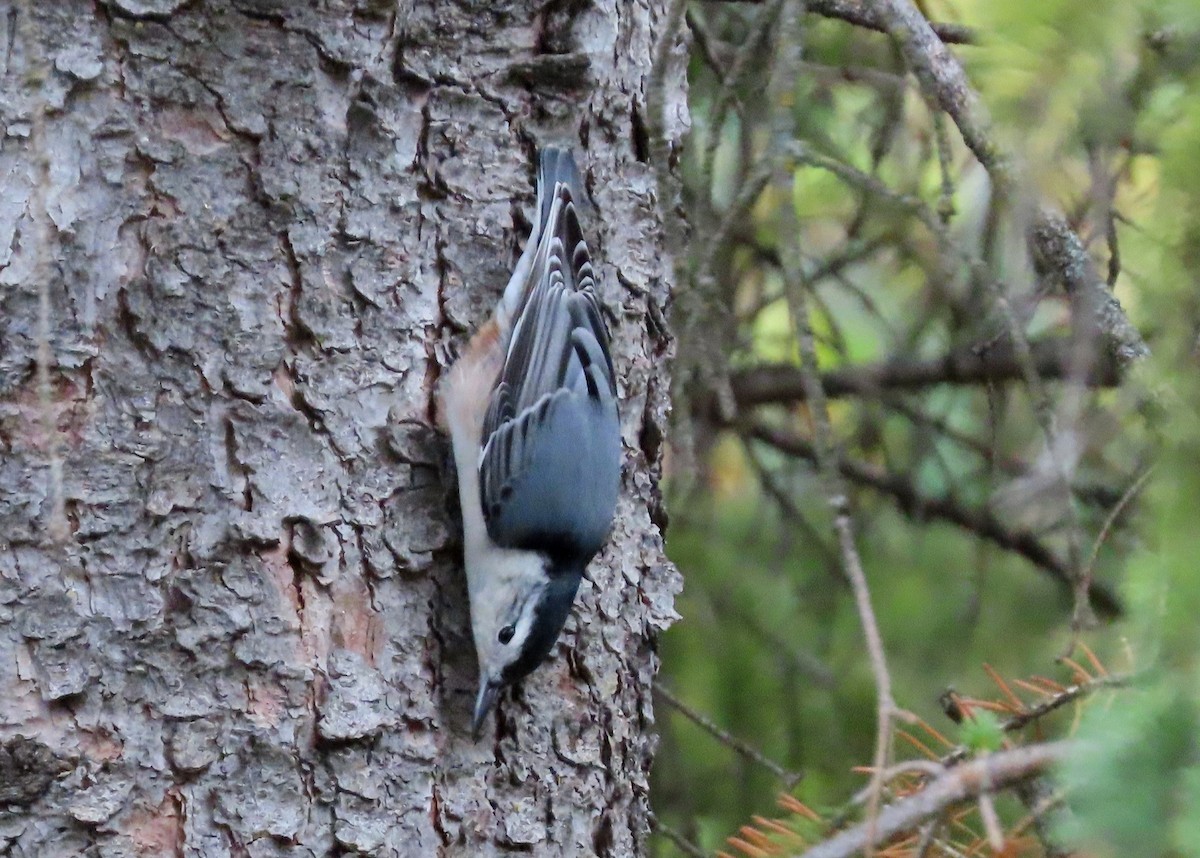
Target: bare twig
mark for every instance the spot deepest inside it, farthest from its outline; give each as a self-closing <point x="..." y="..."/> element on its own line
<point x="749" y="192"/>
<point x="962" y="783"/>
<point x="991" y="820"/>
<point x="791" y="510"/>
<point x="1062" y="698"/>
<point x="1111" y="520"/>
<point x="852" y="253"/>
<point x="684" y="845"/>
<point x="862" y="15"/>
<point x="945" y="207"/>
<point x="789" y="46"/>
<point x="835" y="493"/>
<point x="788" y="778"/>
<point x="782" y="149"/>
<point x="886" y="707"/>
<point x="884" y="81"/>
<point x="1040" y="801"/>
<point x="928" y="833"/>
<point x="805" y="154"/>
<point x="705" y="43"/>
<point x="727" y="94"/>
<point x="808" y="665"/>
<point x="817" y="671"/>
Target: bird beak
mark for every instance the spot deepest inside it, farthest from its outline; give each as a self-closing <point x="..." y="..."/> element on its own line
<point x="489" y="690"/>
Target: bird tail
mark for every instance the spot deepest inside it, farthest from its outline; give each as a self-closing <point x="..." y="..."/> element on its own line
<point x="556" y="166"/>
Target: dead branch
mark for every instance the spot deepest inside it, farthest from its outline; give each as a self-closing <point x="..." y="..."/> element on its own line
<point x="1058" y="250"/>
<point x="941" y="76"/>
<point x="862" y="15"/>
<point x="917" y="505"/>
<point x="961" y="783"/>
<point x="774" y="383"/>
<point x="788" y="778"/>
<point x="1062" y="698"/>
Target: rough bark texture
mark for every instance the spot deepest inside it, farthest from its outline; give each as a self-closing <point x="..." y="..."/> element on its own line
<point x="273" y="221"/>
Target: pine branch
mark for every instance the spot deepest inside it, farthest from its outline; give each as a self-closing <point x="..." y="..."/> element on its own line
<point x="959" y="784"/>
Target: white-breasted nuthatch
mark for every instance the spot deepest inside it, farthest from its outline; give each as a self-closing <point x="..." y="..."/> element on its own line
<point x="531" y="406"/>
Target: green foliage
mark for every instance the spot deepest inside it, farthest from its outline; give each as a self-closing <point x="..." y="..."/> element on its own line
<point x="981" y="732"/>
<point x="1126" y="779"/>
<point x="760" y="605"/>
<point x="1135" y="780"/>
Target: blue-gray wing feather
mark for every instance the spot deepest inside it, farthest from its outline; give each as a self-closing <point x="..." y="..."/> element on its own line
<point x="551" y="464"/>
<point x="550" y="479"/>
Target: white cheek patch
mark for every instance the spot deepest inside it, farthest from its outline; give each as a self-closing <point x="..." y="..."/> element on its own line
<point x="525" y="621"/>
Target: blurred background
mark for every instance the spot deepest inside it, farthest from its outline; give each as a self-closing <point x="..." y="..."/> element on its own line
<point x="1022" y="480"/>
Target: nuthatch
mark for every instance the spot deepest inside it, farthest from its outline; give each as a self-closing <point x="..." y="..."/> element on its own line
<point x="531" y="406"/>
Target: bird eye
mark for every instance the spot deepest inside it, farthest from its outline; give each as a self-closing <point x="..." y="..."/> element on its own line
<point x="506" y="634"/>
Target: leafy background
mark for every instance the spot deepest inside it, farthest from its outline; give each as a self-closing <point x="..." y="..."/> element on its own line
<point x="1099" y="105"/>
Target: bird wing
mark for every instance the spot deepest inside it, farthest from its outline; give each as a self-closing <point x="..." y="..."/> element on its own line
<point x="550" y="466"/>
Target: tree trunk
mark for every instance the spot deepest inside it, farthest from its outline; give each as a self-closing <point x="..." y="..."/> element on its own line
<point x="267" y="225"/>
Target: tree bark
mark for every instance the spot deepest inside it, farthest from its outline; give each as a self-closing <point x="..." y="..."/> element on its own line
<point x="270" y="223"/>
